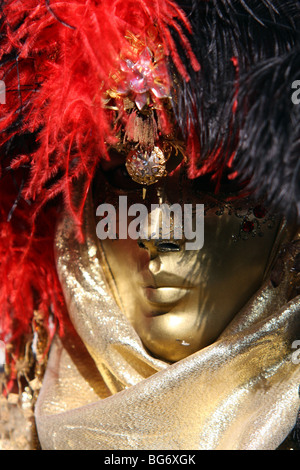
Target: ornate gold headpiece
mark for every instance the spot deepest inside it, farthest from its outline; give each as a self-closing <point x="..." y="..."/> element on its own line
<point x="141" y="97"/>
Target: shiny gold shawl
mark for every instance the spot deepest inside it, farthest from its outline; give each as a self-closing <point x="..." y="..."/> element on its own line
<point x="103" y="390"/>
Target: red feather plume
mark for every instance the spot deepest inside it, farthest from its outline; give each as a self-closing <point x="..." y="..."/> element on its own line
<point x="58" y="61"/>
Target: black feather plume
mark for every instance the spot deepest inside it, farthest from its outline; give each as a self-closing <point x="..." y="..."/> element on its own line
<point x="262" y="129"/>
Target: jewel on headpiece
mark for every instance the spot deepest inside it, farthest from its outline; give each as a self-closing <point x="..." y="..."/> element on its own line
<point x="144" y="79"/>
<point x="146" y="167"/>
<point x="143" y="74"/>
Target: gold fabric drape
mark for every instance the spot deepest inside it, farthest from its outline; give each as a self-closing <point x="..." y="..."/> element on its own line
<point x="102" y="390"/>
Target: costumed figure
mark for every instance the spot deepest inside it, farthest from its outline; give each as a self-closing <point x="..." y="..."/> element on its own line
<point x="154" y="341"/>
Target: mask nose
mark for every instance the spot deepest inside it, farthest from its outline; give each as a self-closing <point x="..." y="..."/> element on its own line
<point x="165" y="227"/>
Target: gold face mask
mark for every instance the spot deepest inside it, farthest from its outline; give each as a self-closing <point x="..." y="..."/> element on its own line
<point x="225" y="396"/>
<point x="179" y="300"/>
